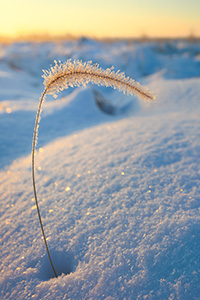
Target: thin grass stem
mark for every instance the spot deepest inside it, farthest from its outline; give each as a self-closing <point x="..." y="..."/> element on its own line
<point x="33" y="177"/>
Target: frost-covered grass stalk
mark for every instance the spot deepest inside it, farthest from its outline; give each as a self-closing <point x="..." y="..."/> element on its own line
<point x="77" y="73"/>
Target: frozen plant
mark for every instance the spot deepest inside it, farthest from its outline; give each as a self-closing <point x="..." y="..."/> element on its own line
<point x="73" y="74"/>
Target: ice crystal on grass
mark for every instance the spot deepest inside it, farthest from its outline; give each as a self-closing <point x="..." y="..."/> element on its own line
<point x="76" y="73"/>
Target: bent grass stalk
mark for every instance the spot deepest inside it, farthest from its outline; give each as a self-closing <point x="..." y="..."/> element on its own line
<point x="72" y="74"/>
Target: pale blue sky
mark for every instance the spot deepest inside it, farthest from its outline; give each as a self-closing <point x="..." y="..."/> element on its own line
<point x="101" y="18"/>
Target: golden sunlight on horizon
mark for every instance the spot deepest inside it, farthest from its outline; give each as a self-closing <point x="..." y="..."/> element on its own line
<point x="106" y="19"/>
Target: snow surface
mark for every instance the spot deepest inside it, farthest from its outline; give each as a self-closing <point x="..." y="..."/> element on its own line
<point x="119" y="193"/>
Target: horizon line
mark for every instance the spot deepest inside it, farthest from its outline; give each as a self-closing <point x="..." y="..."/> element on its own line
<point x="48" y="37"/>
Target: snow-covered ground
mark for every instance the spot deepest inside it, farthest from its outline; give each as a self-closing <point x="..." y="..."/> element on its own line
<point x="119" y="192"/>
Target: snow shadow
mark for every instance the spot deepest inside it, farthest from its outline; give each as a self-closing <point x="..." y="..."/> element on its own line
<point x="178" y="263"/>
<point x="77" y="113"/>
<point x="64" y="263"/>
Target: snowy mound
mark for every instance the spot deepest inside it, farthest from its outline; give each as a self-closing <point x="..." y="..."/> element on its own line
<point x="119" y="194"/>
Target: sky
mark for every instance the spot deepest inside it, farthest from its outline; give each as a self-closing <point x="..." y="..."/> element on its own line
<point x="100" y="18"/>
